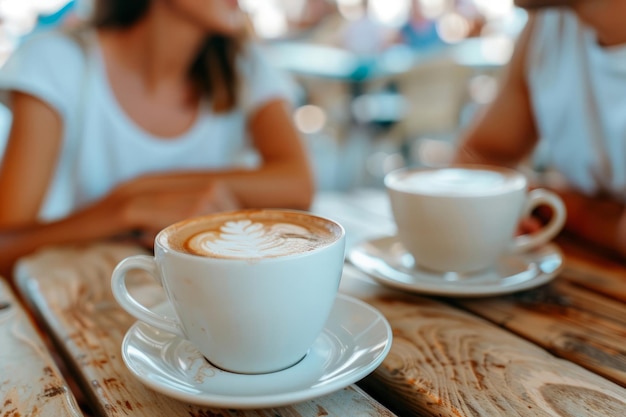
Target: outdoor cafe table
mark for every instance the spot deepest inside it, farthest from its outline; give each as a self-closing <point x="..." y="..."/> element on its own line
<point x="555" y="350"/>
<point x="30" y="382"/>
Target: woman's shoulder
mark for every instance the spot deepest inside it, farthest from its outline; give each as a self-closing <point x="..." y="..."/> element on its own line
<point x="60" y="46"/>
<point x="47" y="65"/>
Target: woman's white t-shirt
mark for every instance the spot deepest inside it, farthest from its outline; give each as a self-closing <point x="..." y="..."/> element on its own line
<point x="102" y="145"/>
<point x="578" y="93"/>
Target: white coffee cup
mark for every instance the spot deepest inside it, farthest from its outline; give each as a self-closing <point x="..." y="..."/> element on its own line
<point x="251" y="289"/>
<point x="462" y="219"/>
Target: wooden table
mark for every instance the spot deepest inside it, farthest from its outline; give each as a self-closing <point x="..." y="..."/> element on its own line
<point x="556" y="350"/>
<point x="69" y="289"/>
<point x="30" y="382"/>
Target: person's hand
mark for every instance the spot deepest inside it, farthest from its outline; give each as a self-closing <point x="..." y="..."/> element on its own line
<point x="541" y="215"/>
<point x="529" y="225"/>
<point x="213" y="198"/>
<point x="147" y="206"/>
<point x="536" y="221"/>
<point x="621" y="233"/>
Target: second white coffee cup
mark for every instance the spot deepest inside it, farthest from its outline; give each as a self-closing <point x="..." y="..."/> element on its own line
<point x="252" y="290"/>
<point x="463" y="219"/>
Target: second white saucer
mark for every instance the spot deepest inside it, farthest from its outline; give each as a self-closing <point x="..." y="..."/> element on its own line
<point x="386" y="260"/>
<point x="354" y="342"/>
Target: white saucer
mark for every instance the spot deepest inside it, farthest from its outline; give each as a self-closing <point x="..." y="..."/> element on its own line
<point x="386" y="260"/>
<point x="356" y="339"/>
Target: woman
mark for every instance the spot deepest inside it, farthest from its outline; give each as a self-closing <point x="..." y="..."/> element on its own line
<point x="565" y="90"/>
<point x="138" y="122"/>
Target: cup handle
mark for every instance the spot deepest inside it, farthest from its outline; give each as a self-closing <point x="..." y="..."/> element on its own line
<point x="130" y="304"/>
<point x="536" y="198"/>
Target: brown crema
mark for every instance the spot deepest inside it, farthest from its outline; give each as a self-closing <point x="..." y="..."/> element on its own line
<point x="251" y="234"/>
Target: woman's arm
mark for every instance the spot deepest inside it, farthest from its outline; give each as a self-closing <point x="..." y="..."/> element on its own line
<point x="285" y="161"/>
<point x="599" y="220"/>
<point x="145" y="204"/>
<point x="506" y="133"/>
<point x="284" y="178"/>
<point x="29" y="159"/>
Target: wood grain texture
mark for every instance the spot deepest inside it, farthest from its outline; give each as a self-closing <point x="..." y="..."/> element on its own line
<point x="30" y="382"/>
<point x="70" y="288"/>
<point x="580" y="316"/>
<point x="571" y="322"/>
<point x="556" y="350"/>
<point x="594" y="270"/>
<point x="447" y="362"/>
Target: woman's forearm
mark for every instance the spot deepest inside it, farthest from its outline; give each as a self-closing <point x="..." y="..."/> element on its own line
<point x="286" y="185"/>
<point x="278" y="186"/>
<point x="154" y="201"/>
<point x="596" y="220"/>
<point x="83" y="226"/>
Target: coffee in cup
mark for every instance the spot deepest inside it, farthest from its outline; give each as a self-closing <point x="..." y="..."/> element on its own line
<point x="464" y="218"/>
<point x="251" y="235"/>
<point x="251" y="289"/>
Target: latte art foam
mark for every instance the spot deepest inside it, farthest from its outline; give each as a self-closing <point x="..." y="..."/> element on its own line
<point x="248" y="239"/>
<point x="251" y="234"/>
<point x="458" y="182"/>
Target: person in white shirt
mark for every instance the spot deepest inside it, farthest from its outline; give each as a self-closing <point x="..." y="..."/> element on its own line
<point x="160" y="110"/>
<point x="565" y="91"/>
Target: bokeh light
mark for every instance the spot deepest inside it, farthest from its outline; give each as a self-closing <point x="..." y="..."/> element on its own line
<point x="432" y="9"/>
<point x="453" y="27"/>
<point x="494" y="9"/>
<point x="310" y="119"/>
<point x="390" y="12"/>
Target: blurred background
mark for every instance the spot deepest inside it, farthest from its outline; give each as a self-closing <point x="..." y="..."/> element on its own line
<point x="381" y="83"/>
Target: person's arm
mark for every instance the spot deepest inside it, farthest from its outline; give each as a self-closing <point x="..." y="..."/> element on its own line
<point x="145" y="204"/>
<point x="29" y="160"/>
<point x="30" y="157"/>
<point x="283" y="180"/>
<point x="599" y="220"/>
<point x="506" y="133"/>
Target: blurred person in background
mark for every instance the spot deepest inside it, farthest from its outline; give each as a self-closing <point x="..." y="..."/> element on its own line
<point x="313" y="14"/>
<point x="140" y="120"/>
<point x="419" y="32"/>
<point x="564" y="93"/>
<point x="363" y="34"/>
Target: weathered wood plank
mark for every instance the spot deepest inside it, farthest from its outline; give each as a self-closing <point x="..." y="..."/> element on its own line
<point x="594" y="270"/>
<point x="492" y="357"/>
<point x="30" y="382"/>
<point x="70" y="287"/>
<point x="581" y="316"/>
<point x="571" y="322"/>
<point x="448" y="362"/>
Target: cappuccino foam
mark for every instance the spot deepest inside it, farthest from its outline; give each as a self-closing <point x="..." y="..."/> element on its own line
<point x="458" y="182"/>
<point x="253" y="234"/>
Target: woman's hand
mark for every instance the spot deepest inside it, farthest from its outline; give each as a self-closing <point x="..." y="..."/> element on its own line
<point x="621" y="234"/>
<point x="146" y="205"/>
<point x="529" y="225"/>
